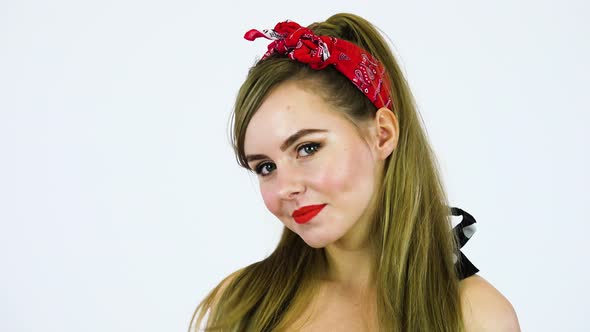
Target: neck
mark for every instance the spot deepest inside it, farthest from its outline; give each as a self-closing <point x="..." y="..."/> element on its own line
<point x="351" y="268"/>
<point x="351" y="259"/>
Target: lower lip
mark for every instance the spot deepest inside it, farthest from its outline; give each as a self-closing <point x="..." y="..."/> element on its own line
<point x="302" y="219"/>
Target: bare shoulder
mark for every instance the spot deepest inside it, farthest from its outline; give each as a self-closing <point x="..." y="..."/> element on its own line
<point x="485" y="308"/>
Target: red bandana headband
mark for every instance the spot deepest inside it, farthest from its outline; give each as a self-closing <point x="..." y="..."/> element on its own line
<point x="301" y="44"/>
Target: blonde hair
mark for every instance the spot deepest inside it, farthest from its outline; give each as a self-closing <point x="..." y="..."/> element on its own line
<point x="415" y="277"/>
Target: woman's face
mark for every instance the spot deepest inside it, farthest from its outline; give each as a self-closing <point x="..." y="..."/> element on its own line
<point x="306" y="153"/>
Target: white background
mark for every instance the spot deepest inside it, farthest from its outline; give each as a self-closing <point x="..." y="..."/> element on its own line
<point x="121" y="204"/>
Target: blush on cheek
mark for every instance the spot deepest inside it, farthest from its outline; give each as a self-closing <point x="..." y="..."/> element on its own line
<point x="330" y="180"/>
<point x="271" y="201"/>
<point x="343" y="174"/>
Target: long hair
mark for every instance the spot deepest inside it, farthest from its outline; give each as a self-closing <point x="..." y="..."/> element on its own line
<point x="417" y="286"/>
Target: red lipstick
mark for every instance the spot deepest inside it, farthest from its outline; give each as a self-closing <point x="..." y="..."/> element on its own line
<point x="304" y="214"/>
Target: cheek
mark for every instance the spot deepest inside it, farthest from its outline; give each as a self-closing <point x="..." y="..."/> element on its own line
<point x="348" y="173"/>
<point x="271" y="200"/>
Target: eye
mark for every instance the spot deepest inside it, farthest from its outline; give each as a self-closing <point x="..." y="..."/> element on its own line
<point x="264" y="168"/>
<point x="308" y="149"/>
<point x="305" y="150"/>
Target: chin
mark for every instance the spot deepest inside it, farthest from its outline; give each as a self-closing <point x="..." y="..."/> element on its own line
<point x="317" y="243"/>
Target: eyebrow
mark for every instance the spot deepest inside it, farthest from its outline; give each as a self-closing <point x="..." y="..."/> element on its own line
<point x="287" y="143"/>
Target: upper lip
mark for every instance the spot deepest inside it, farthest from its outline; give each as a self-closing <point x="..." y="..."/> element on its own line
<point x="306" y="209"/>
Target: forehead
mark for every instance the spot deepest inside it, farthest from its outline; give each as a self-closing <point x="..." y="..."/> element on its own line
<point x="287" y="109"/>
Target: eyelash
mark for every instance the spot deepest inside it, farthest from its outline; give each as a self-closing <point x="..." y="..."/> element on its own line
<point x="259" y="167"/>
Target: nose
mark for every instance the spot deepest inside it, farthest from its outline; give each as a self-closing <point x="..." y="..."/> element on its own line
<point x="290" y="184"/>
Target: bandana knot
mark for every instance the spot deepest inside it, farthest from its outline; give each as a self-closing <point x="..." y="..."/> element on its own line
<point x="301" y="44"/>
<point x="298" y="43"/>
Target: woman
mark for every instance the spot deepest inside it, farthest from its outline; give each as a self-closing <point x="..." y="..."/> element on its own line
<point x="327" y="122"/>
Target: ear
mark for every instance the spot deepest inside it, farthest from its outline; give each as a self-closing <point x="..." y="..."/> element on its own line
<point x="387" y="132"/>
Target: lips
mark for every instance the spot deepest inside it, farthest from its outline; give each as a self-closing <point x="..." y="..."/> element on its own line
<point x="305" y="213"/>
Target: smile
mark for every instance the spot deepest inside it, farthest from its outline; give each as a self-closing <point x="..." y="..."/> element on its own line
<point x="306" y="213"/>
